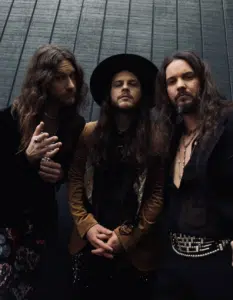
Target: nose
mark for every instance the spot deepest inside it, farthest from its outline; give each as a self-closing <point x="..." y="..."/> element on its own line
<point x="70" y="84"/>
<point x="125" y="86"/>
<point x="180" y="84"/>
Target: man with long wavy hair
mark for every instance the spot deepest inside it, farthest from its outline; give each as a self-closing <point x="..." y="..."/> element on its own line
<point x="116" y="184"/>
<point x="39" y="133"/>
<point x="199" y="191"/>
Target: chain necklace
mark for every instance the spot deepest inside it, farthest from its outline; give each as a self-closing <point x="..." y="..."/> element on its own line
<point x="183" y="162"/>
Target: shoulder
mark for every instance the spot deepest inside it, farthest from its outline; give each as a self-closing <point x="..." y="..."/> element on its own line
<point x="7" y="119"/>
<point x="5" y="113"/>
<point x="89" y="128"/>
<point x="225" y="142"/>
<point x="228" y="121"/>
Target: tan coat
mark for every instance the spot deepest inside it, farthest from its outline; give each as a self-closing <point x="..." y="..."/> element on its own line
<point x="140" y="243"/>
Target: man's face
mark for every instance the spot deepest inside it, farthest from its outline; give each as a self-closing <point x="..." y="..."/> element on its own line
<point x="183" y="86"/>
<point x="125" y="90"/>
<point x="63" y="87"/>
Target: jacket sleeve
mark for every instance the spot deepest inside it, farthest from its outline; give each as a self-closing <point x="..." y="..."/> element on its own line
<point x="151" y="207"/>
<point x="76" y="189"/>
<point x="66" y="160"/>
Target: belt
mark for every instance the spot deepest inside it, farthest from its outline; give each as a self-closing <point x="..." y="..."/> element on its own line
<point x="192" y="246"/>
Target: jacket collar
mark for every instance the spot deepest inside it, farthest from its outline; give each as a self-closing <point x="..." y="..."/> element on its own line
<point x="197" y="165"/>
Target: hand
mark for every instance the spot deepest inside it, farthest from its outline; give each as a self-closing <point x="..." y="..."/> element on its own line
<point x="50" y="171"/>
<point x="113" y="242"/>
<point x="40" y="144"/>
<point x="97" y="235"/>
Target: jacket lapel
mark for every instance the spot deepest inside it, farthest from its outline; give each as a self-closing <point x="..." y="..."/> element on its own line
<point x="138" y="185"/>
<point x="197" y="165"/>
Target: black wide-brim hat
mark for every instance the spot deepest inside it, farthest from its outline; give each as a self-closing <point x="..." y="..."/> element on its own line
<point x="141" y="67"/>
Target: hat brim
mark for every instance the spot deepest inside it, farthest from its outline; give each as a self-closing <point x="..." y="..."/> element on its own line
<point x="102" y="75"/>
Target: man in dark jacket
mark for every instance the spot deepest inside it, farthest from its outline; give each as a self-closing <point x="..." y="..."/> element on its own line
<point x="199" y="192"/>
<point x="38" y="132"/>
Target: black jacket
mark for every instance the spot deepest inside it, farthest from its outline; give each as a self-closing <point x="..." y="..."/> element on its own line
<point x="23" y="193"/>
<point x="203" y="205"/>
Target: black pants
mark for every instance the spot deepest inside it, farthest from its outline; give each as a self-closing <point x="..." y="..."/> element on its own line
<point x="209" y="277"/>
<point x="100" y="278"/>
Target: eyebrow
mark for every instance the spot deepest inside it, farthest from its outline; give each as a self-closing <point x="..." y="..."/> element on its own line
<point x="65" y="73"/>
<point x="121" y="80"/>
<point x="183" y="74"/>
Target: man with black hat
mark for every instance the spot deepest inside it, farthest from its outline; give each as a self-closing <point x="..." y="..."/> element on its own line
<point x="116" y="183"/>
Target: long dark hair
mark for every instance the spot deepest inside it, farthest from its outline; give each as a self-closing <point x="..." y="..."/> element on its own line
<point x="142" y="142"/>
<point x="211" y="102"/>
<point x="29" y="106"/>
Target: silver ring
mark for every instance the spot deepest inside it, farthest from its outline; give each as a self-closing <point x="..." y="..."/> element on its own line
<point x="46" y="159"/>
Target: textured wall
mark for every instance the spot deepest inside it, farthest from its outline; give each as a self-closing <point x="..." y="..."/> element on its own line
<point x="95" y="29"/>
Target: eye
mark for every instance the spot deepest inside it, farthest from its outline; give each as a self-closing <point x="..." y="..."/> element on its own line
<point x="171" y="81"/>
<point x="60" y="77"/>
<point x="72" y="76"/>
<point x="116" y="84"/>
<point x="134" y="83"/>
<point x="189" y="76"/>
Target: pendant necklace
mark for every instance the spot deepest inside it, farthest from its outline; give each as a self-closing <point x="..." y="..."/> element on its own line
<point x="182" y="164"/>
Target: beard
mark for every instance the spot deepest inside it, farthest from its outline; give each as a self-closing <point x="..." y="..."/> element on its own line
<point x="186" y="103"/>
<point x="124" y="110"/>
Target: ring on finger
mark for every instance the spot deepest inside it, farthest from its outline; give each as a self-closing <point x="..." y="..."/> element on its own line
<point x="46" y="158"/>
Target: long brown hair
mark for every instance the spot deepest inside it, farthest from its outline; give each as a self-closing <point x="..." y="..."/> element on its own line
<point x="29" y="106"/>
<point x="211" y="102"/>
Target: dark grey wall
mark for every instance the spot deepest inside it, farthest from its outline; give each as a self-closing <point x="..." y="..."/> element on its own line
<point x="95" y="29"/>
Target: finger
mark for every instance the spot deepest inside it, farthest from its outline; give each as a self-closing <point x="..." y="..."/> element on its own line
<point x="50" y="170"/>
<point x="50" y="140"/>
<point x="39" y="129"/>
<point x="101" y="252"/>
<point x="39" y="138"/>
<point x="48" y="177"/>
<point x="103" y="245"/>
<point x="46" y="162"/>
<point x="50" y="148"/>
<point x="53" y="146"/>
<point x="52" y="153"/>
<point x="102" y="236"/>
<point x="104" y="230"/>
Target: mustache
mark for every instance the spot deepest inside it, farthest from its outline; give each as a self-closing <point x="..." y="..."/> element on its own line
<point x="180" y="94"/>
<point x="70" y="95"/>
<point x="125" y="95"/>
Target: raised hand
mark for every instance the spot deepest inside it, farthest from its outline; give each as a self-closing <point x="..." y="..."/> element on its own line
<point x="42" y="144"/>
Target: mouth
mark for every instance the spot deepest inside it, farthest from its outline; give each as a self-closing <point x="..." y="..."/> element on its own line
<point x="183" y="99"/>
<point x="125" y="97"/>
<point x="70" y="96"/>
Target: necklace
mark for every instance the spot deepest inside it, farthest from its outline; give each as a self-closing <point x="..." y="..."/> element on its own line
<point x="50" y="117"/>
<point x="183" y="162"/>
<point x="192" y="131"/>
